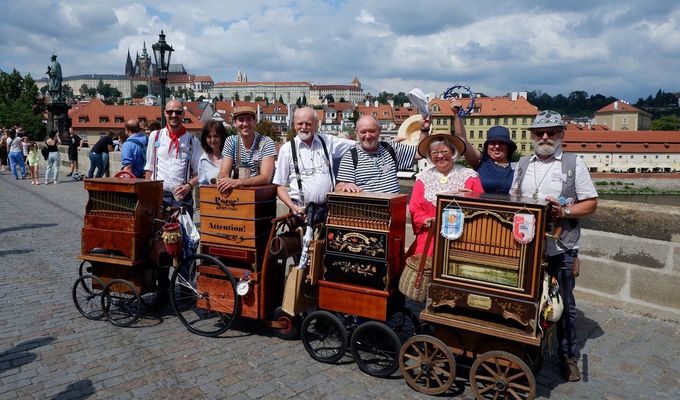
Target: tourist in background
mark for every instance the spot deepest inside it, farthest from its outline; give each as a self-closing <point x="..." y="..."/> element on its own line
<point x="16" y="155"/>
<point x="3" y="150"/>
<point x="33" y="162"/>
<point x="133" y="151"/>
<point x="99" y="155"/>
<point x="212" y="141"/>
<point x="53" y="158"/>
<point x="493" y="163"/>
<point x="74" y="146"/>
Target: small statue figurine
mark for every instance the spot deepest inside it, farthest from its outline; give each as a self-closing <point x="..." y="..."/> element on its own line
<point x="54" y="87"/>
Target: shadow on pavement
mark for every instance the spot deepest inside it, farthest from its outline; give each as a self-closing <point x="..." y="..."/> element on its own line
<point x="25" y="226"/>
<point x="21" y="354"/>
<point x="14" y="252"/>
<point x="77" y="390"/>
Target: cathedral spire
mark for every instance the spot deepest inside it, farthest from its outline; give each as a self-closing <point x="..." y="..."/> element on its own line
<point x="129" y="68"/>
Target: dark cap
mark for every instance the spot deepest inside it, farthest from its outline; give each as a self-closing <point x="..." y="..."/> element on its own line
<point x="244" y="110"/>
<point x="500" y="134"/>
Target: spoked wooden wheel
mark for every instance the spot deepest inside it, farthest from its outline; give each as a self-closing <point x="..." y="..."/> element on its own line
<point x="427" y="365"/>
<point x="121" y="303"/>
<point x="501" y="375"/>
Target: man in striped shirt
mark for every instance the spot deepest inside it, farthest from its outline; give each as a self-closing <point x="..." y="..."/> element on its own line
<point x="372" y="165"/>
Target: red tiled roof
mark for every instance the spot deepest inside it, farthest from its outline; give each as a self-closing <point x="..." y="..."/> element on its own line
<point x="341" y="106"/>
<point x="601" y="141"/>
<point x="95" y="109"/>
<point x="491" y="106"/>
<point x="382" y="111"/>
<point x="620" y="106"/>
<point x="270" y="109"/>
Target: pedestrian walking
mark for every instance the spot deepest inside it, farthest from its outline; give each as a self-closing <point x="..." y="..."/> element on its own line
<point x="16" y="155"/>
<point x="33" y="162"/>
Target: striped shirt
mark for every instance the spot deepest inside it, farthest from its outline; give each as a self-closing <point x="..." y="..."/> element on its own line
<point x="262" y="148"/>
<point x="376" y="172"/>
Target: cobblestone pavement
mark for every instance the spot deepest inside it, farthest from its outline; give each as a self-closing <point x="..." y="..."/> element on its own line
<point x="47" y="350"/>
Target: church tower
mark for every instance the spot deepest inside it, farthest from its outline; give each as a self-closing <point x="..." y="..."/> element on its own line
<point x="241" y="77"/>
<point x="129" y="68"/>
<point x="144" y="63"/>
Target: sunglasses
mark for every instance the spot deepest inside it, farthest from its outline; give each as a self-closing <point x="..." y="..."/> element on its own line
<point x="541" y="133"/>
<point x="440" y="153"/>
<point x="175" y="112"/>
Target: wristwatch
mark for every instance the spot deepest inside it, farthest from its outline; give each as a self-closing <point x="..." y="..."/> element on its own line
<point x="567" y="211"/>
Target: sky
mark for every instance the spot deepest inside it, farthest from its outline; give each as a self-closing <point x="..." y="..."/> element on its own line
<point x="622" y="48"/>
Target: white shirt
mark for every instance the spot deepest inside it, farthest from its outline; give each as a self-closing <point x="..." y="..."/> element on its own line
<point x="207" y="169"/>
<point x="169" y="167"/>
<point x="14" y="144"/>
<point x="547" y="176"/>
<point x="314" y="168"/>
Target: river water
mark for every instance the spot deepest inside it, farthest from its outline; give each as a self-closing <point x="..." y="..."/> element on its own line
<point x="660" y="199"/>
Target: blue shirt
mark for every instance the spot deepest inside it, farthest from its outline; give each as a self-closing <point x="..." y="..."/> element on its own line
<point x="133" y="153"/>
<point x="495" y="179"/>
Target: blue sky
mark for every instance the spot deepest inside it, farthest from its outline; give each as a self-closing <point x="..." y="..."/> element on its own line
<point x="623" y="48"/>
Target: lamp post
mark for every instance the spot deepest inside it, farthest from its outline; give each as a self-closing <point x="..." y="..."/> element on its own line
<point x="161" y="53"/>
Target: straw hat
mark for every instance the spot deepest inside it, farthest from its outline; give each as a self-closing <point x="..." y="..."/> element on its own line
<point x="424" y="145"/>
<point x="410" y="129"/>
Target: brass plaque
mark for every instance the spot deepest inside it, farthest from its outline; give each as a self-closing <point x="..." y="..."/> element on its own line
<point x="477" y="301"/>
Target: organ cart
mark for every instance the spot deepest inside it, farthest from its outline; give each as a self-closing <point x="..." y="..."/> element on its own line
<point x="245" y="276"/>
<point x="359" y="303"/>
<point x="485" y="299"/>
<point x="116" y="270"/>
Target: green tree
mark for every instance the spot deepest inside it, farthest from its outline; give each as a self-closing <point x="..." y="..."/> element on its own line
<point x="298" y="102"/>
<point x="666" y="123"/>
<point x="259" y="98"/>
<point x="266" y="128"/>
<point x="43" y="90"/>
<point x="20" y="104"/>
<point x="383" y="97"/>
<point x="342" y="100"/>
<point x="304" y="99"/>
<point x="236" y="97"/>
<point x="140" y="91"/>
<point x="329" y="98"/>
<point x="68" y="91"/>
<point x="281" y="99"/>
<point x="290" y="134"/>
<point x="247" y="98"/>
<point x="400" y="98"/>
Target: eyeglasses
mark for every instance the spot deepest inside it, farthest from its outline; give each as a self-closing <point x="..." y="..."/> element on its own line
<point x="541" y="133"/>
<point x="440" y="153"/>
<point x="175" y="112"/>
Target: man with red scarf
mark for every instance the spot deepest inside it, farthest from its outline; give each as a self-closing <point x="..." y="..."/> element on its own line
<point x="172" y="156"/>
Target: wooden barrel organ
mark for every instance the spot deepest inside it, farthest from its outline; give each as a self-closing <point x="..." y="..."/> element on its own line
<point x="364" y="249"/>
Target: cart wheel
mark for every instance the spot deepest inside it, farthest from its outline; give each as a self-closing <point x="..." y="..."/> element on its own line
<point x="291" y="329"/>
<point x="427" y="365"/>
<point x="204" y="301"/>
<point x="404" y="323"/>
<point x="375" y="348"/>
<point x="87" y="293"/>
<point x="85" y="268"/>
<point x="324" y="337"/>
<point x="121" y="303"/>
<point x="498" y="373"/>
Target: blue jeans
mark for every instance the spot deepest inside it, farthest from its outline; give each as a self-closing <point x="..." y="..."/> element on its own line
<point x="17" y="158"/>
<point x="187" y="202"/>
<point x="99" y="161"/>
<point x="560" y="266"/>
<point x="53" y="161"/>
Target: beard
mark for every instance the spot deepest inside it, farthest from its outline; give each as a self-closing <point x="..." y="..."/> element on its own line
<point x="305" y="136"/>
<point x="547" y="148"/>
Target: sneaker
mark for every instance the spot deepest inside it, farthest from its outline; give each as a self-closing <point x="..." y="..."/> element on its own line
<point x="570" y="371"/>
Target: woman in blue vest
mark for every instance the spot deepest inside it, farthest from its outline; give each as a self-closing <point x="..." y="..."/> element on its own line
<point x="493" y="163"/>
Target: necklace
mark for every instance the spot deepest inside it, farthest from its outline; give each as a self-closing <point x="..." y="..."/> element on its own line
<point x="537" y="185"/>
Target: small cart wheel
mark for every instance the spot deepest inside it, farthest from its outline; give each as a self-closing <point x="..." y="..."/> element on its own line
<point x="87" y="293"/>
<point x="498" y="373"/>
<point x="291" y="325"/>
<point x="85" y="268"/>
<point x="204" y="295"/>
<point x="404" y="323"/>
<point x="427" y="365"/>
<point x="121" y="303"/>
<point x="324" y="337"/>
<point x="375" y="348"/>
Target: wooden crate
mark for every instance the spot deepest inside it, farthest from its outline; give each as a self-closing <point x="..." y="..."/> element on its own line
<point x="254" y="202"/>
<point x="213" y="281"/>
<point x="235" y="232"/>
<point x="128" y="244"/>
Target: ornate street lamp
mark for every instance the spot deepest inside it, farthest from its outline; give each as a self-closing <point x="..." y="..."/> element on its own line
<point x="161" y="53"/>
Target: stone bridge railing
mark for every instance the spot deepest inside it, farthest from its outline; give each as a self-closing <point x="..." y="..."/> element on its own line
<point x="629" y="252"/>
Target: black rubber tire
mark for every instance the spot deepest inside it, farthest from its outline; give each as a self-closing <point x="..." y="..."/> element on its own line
<point x="292" y="329"/>
<point x="324" y="337"/>
<point x="203" y="313"/>
<point x="121" y="303"/>
<point x="375" y="348"/>
<point x="86" y="294"/>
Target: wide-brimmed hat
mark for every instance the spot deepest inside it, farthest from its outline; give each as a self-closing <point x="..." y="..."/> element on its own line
<point x="547" y="119"/>
<point x="424" y="145"/>
<point x="500" y="134"/>
<point x="244" y="110"/>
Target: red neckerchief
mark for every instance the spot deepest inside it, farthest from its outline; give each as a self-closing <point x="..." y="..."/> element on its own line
<point x="174" y="138"/>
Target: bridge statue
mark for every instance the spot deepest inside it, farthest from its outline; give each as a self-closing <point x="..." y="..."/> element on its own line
<point x="55" y="77"/>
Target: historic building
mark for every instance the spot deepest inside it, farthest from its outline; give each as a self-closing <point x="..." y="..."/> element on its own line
<point x="621" y="116"/>
<point x="338" y="93"/>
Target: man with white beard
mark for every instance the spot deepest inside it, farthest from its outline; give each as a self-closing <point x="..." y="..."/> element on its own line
<point x="563" y="180"/>
<point x="304" y="169"/>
